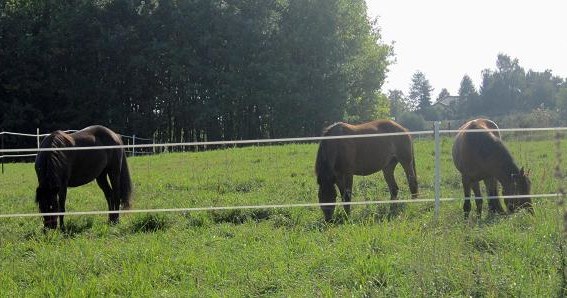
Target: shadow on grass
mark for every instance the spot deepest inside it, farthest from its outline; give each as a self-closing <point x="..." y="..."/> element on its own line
<point x="77" y="226"/>
<point x="240" y="216"/>
<point x="149" y="223"/>
<point x="370" y="214"/>
<point x="486" y="220"/>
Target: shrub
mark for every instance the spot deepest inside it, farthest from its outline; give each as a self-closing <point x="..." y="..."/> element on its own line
<point x="412" y="121"/>
<point x="539" y="117"/>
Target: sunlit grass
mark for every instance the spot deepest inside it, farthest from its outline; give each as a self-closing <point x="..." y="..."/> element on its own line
<point x="281" y="252"/>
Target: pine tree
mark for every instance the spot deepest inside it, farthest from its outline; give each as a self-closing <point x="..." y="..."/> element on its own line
<point x="420" y="91"/>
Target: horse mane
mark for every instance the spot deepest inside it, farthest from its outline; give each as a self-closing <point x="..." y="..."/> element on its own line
<point x="47" y="162"/>
<point x="333" y="129"/>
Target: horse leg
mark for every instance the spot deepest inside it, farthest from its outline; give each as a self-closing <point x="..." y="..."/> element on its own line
<point x="108" y="193"/>
<point x="345" y="188"/>
<point x="392" y="185"/>
<point x="494" y="205"/>
<point x="467" y="189"/>
<point x="478" y="198"/>
<point x="328" y="194"/>
<point x="409" y="169"/>
<point x="62" y="199"/>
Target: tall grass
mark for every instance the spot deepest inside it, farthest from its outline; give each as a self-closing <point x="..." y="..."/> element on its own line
<point x="281" y="252"/>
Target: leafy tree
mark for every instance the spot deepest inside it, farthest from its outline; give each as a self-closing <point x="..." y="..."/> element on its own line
<point x="397" y="102"/>
<point x="502" y="88"/>
<point x="469" y="103"/>
<point x="539" y="91"/>
<point x="561" y="101"/>
<point x="190" y="69"/>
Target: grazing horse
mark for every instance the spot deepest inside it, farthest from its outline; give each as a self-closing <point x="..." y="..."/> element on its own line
<point x="59" y="169"/>
<point x="339" y="159"/>
<point x="479" y="154"/>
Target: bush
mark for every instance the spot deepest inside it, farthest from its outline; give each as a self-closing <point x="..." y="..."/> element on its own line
<point x="539" y="117"/>
<point x="412" y="121"/>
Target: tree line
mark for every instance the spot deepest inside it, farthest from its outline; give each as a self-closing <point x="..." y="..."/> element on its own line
<point x="190" y="70"/>
<point x="508" y="93"/>
<point x="203" y="70"/>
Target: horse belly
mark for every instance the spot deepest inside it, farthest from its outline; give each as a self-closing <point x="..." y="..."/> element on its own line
<point x="473" y="169"/>
<point x="367" y="166"/>
<point x="87" y="167"/>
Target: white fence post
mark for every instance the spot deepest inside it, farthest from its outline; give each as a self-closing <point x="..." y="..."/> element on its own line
<point x="133" y="144"/>
<point x="37" y="133"/>
<point x="437" y="178"/>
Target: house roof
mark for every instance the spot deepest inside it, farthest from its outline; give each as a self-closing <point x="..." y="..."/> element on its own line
<point x="447" y="100"/>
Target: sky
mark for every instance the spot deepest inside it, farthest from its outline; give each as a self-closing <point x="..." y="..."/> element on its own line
<point x="446" y="39"/>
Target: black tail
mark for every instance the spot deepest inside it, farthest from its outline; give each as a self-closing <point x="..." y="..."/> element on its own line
<point x="324" y="168"/>
<point x="415" y="189"/>
<point x="413" y="160"/>
<point x="125" y="184"/>
<point x="326" y="155"/>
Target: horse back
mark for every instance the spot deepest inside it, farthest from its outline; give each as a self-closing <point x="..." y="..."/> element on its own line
<point x="475" y="144"/>
<point x="96" y="135"/>
<point x="78" y="167"/>
<point x="364" y="156"/>
<point x="396" y="144"/>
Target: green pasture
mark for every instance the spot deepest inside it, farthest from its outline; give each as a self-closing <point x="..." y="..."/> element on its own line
<point x="285" y="251"/>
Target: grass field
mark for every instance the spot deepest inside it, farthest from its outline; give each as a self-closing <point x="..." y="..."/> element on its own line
<point x="283" y="252"/>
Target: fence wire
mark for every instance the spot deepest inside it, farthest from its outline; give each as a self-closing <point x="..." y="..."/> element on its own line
<point x="264" y="141"/>
<point x="276" y="206"/>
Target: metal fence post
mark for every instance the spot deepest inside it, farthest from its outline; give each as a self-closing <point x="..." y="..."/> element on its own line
<point x="2" y="157"/>
<point x="437" y="178"/>
<point x="133" y="144"/>
<point x="37" y="133"/>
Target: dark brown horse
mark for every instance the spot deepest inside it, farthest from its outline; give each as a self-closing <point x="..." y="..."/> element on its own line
<point x="481" y="155"/>
<point x="57" y="170"/>
<point x="339" y="159"/>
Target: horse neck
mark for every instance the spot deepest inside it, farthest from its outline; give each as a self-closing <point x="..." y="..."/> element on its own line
<point x="506" y="169"/>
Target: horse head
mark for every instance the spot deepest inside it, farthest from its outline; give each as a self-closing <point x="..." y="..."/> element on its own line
<point x="327" y="194"/>
<point x="46" y="198"/>
<point x="521" y="185"/>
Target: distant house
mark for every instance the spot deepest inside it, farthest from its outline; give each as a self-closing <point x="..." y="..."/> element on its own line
<point x="447" y="101"/>
<point x="447" y="106"/>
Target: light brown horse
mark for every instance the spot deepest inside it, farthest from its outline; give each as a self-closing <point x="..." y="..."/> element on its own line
<point x="339" y="159"/>
<point x="481" y="155"/>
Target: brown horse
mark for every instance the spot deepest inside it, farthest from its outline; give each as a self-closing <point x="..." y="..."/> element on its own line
<point x="339" y="159"/>
<point x="57" y="170"/>
<point x="481" y="155"/>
